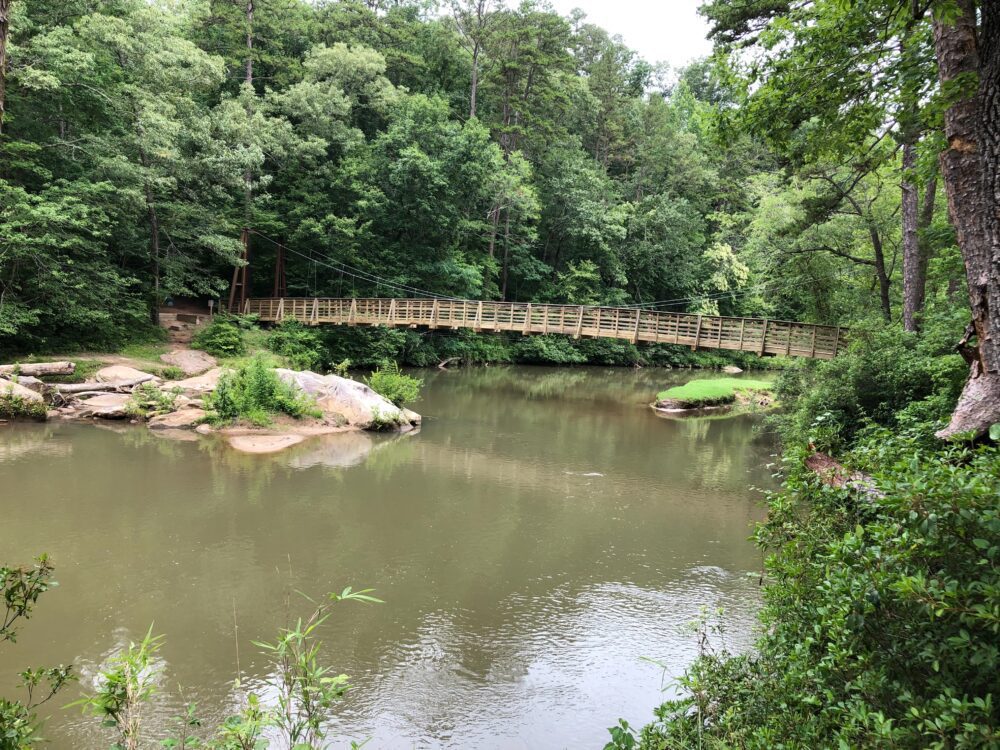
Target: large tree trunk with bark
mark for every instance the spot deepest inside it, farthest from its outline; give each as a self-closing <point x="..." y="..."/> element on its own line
<point x="4" y="32"/>
<point x="970" y="168"/>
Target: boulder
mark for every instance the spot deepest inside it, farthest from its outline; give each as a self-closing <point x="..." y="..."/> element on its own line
<point x="191" y="361"/>
<point x="185" y="419"/>
<point x="197" y="386"/>
<point x="732" y="370"/>
<point x="10" y="388"/>
<point x="264" y="443"/>
<point x="32" y="384"/>
<point x="348" y="399"/>
<point x="122" y="374"/>
<point x="412" y="417"/>
<point x="106" y="406"/>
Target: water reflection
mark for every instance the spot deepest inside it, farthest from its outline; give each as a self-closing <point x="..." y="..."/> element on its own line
<point x="541" y="533"/>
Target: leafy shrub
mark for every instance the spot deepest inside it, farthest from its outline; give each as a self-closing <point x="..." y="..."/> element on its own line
<point x="300" y="346"/>
<point x="223" y="337"/>
<point x="255" y="393"/>
<point x="881" y="374"/>
<point x="880" y="625"/>
<point x="16" y="407"/>
<point x="148" y="400"/>
<point x="390" y="382"/>
<point x="171" y="372"/>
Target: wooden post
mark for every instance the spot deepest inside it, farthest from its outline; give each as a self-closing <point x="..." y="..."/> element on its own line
<point x="635" y="333"/>
<point x="434" y="313"/>
<point x="314" y="318"/>
<point x="392" y="311"/>
<point x="813" y="355"/>
<point x="657" y="319"/>
<point x="788" y="343"/>
<point x="545" y="319"/>
<point x="527" y="321"/>
<point x="598" y="327"/>
<point x="579" y="325"/>
<point x="836" y="342"/>
<point x="281" y="310"/>
<point x="718" y="342"/>
<point x="677" y="327"/>
<point x="697" y="334"/>
<point x="743" y="325"/>
<point x="763" y="338"/>
<point x="477" y="324"/>
<point x="353" y="312"/>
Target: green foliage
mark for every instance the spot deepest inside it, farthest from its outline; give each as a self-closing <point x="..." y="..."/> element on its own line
<point x="21" y="587"/>
<point x="302" y="690"/>
<point x="390" y="382"/>
<point x="148" y="400"/>
<point x="301" y="347"/>
<point x="223" y="337"/>
<point x="254" y="393"/>
<point x="877" y="380"/>
<point x="125" y="685"/>
<point x="880" y="623"/>
<point x="698" y="393"/>
<point x="17" y="407"/>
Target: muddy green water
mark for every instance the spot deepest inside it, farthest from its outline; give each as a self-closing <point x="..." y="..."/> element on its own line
<point x="541" y="534"/>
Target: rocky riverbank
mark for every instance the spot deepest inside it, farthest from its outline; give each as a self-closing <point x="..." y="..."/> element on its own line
<point x="179" y="408"/>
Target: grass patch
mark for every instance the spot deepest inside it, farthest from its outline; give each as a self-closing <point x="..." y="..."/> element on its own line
<point x="15" y="407"/>
<point x="714" y="392"/>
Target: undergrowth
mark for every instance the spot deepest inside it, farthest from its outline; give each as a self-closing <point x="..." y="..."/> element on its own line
<point x="254" y="393"/>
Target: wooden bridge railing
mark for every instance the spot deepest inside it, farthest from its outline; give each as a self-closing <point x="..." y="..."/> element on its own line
<point x="761" y="336"/>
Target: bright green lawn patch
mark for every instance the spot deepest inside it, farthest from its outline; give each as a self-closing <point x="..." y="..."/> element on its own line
<point x="698" y="393"/>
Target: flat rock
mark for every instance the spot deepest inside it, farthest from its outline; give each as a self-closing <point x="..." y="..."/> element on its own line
<point x="121" y="374"/>
<point x="732" y="370"/>
<point x="185" y="419"/>
<point x="264" y="443"/>
<point x="356" y="402"/>
<point x="10" y="388"/>
<point x="197" y="386"/>
<point x="191" y="361"/>
<point x="106" y="406"/>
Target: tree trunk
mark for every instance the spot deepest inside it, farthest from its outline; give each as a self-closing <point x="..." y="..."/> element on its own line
<point x="506" y="253"/>
<point x="154" y="251"/>
<point x="969" y="168"/>
<point x="913" y="283"/>
<point x="249" y="64"/>
<point x="37" y="369"/>
<point x="474" y="88"/>
<point x="4" y="31"/>
<point x="248" y="78"/>
<point x="881" y="273"/>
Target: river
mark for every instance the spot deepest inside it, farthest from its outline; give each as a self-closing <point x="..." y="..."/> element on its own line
<point x="540" y="538"/>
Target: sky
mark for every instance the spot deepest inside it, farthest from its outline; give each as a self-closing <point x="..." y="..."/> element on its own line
<point x="660" y="30"/>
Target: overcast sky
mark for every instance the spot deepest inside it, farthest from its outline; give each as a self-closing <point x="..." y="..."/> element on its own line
<point x="660" y="30"/>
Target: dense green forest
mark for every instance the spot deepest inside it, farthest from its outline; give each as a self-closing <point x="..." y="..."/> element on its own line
<point x="410" y="148"/>
<point x="834" y="162"/>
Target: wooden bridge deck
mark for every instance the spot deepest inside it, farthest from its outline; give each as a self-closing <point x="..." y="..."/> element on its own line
<point x="761" y="336"/>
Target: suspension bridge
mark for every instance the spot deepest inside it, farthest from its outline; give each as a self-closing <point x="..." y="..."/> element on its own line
<point x="761" y="336"/>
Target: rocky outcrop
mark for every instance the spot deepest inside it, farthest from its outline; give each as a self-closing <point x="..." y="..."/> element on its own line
<point x="123" y="374"/>
<point x="190" y="361"/>
<point x="732" y="370"/>
<point x="197" y="386"/>
<point x="354" y="402"/>
<point x="183" y="419"/>
<point x="105" y="406"/>
<point x="264" y="443"/>
<point x="16" y="390"/>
